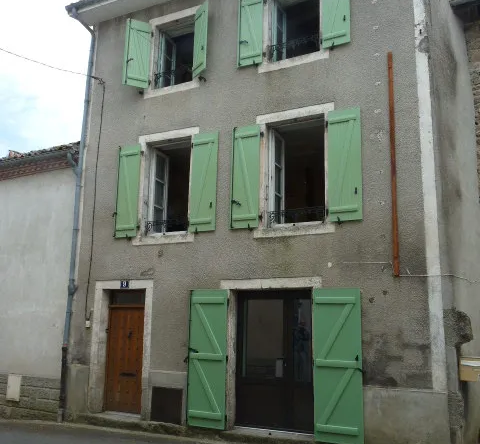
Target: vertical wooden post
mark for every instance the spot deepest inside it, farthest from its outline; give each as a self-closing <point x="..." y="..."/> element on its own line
<point x="393" y="169"/>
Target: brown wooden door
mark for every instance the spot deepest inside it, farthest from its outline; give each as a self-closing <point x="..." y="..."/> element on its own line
<point x="124" y="360"/>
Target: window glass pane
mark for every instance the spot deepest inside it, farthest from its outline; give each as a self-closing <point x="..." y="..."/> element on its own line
<point x="159" y="194"/>
<point x="130" y="297"/>
<point x="263" y="350"/>
<point x="278" y="205"/>
<point x="160" y="168"/>
<point x="158" y="216"/>
<point x="169" y="49"/>
<point x="278" y="180"/>
<point x="302" y="340"/>
<point x="278" y="151"/>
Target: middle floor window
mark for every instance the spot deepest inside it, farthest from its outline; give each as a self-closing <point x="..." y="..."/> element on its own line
<point x="169" y="187"/>
<point x="297" y="172"/>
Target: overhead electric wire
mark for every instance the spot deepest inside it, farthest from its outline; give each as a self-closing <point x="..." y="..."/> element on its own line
<point x="49" y="66"/>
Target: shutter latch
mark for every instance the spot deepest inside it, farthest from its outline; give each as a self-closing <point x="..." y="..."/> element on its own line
<point x="236" y="202"/>
<point x="243" y="42"/>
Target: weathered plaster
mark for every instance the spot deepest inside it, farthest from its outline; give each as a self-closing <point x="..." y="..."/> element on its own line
<point x="35" y="236"/>
<point x="435" y="302"/>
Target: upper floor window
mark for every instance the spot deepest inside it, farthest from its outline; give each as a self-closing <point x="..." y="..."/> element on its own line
<point x="174" y="57"/>
<point x="295" y="28"/>
<point x="178" y="53"/>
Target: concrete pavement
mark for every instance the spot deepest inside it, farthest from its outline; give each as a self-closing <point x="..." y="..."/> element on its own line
<point x="18" y="432"/>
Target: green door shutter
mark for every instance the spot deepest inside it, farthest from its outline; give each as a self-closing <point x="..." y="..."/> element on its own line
<point x="207" y="363"/>
<point x="344" y="165"/>
<point x="203" y="182"/>
<point x="136" y="64"/>
<point x="335" y="22"/>
<point x="245" y="177"/>
<point x="337" y="380"/>
<point x="127" y="192"/>
<point x="250" y="32"/>
<point x="200" y="40"/>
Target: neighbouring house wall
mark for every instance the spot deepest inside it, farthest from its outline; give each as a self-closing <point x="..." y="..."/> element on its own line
<point x="35" y="237"/>
<point x="395" y="311"/>
<point x="459" y="209"/>
<point x="472" y="34"/>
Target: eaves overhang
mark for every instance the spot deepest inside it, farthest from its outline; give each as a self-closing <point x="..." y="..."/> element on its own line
<point x="92" y="12"/>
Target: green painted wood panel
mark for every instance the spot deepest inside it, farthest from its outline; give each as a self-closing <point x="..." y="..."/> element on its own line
<point x="335" y="22"/>
<point x="344" y="165"/>
<point x="337" y="378"/>
<point x="203" y="182"/>
<point x="136" y="63"/>
<point x="200" y="40"/>
<point x="245" y="177"/>
<point x="250" y="32"/>
<point x="207" y="361"/>
<point x="126" y="213"/>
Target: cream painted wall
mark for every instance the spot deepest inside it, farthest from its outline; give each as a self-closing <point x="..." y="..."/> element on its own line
<point x="36" y="220"/>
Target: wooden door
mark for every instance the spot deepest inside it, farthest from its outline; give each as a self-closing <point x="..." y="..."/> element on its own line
<point x="123" y="388"/>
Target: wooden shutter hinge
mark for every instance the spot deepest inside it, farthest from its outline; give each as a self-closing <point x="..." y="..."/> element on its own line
<point x="262" y="134"/>
<point x="326" y="123"/>
<point x="201" y="78"/>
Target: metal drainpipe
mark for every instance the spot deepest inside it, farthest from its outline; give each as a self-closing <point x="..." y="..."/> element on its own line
<point x="76" y="216"/>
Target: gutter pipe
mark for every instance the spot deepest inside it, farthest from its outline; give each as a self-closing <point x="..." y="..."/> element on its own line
<point x="72" y="288"/>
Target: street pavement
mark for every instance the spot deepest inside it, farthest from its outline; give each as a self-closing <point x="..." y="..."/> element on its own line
<point x="17" y="432"/>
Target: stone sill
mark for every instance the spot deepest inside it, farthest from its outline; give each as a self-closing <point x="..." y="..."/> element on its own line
<point x="162" y="239"/>
<point x="302" y="229"/>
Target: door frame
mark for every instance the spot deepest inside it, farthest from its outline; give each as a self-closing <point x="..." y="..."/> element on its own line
<point x="233" y="286"/>
<point x="98" y="350"/>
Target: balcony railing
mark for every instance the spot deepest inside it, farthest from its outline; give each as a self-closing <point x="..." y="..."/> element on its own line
<point x="277" y="51"/>
<point x="297" y="215"/>
<point x="167" y="225"/>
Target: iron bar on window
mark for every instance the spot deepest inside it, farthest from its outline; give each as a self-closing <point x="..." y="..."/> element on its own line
<point x="297" y="215"/>
<point x="181" y="70"/>
<point x="162" y="226"/>
<point x="292" y="44"/>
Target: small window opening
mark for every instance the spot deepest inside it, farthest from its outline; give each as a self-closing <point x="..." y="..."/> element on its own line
<point x="175" y="57"/>
<point x="297" y="173"/>
<point x="170" y="188"/>
<point x="295" y="28"/>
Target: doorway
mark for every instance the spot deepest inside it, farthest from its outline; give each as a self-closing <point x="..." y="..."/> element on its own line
<point x="274" y="383"/>
<point x="123" y="388"/>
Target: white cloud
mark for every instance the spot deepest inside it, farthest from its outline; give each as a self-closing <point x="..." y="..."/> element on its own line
<point x="41" y="107"/>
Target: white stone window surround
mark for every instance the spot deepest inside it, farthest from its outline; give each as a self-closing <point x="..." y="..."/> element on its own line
<point x="268" y="66"/>
<point x="285" y="230"/>
<point x="157" y="24"/>
<point x="146" y="143"/>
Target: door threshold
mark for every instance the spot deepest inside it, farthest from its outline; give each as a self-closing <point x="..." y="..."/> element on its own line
<point x="120" y="416"/>
<point x="253" y="431"/>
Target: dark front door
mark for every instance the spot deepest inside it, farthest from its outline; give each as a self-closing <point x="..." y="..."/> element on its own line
<point x="274" y="387"/>
<point x="123" y="388"/>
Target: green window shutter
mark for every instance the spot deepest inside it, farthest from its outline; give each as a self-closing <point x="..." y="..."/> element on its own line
<point x="344" y="165"/>
<point x="245" y="177"/>
<point x="127" y="192"/>
<point x="335" y="22"/>
<point x="203" y="182"/>
<point x="136" y="64"/>
<point x="207" y="361"/>
<point x="337" y="379"/>
<point x="200" y="40"/>
<point x="250" y="32"/>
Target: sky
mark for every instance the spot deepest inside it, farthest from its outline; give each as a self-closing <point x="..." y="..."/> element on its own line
<point x="40" y="107"/>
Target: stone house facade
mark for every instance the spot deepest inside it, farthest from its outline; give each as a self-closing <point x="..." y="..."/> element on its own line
<point x="249" y="278"/>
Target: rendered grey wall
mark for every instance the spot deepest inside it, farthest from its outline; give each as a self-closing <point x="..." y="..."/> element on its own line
<point x="457" y="189"/>
<point x="35" y="237"/>
<point x="395" y="311"/>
